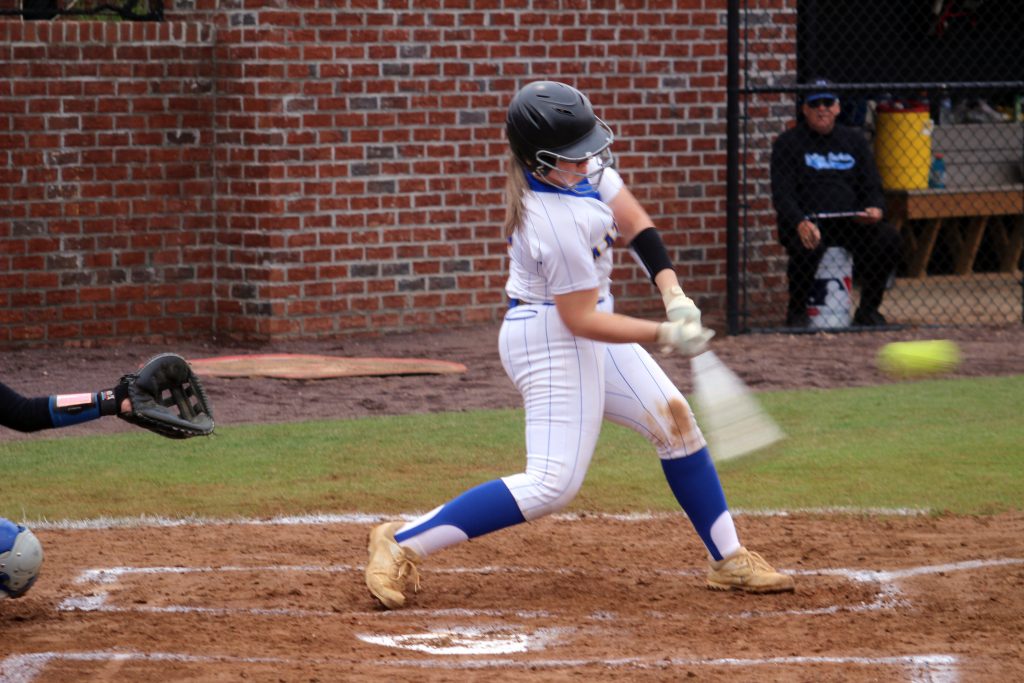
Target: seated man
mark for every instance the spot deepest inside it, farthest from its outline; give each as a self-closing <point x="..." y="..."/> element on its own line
<point x="818" y="168"/>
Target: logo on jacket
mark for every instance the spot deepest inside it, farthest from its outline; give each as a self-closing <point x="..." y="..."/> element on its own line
<point x="834" y="161"/>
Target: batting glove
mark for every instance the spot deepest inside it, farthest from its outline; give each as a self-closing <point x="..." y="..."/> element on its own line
<point x="678" y="306"/>
<point x="686" y="337"/>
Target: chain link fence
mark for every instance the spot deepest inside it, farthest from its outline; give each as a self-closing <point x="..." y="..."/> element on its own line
<point x="881" y="163"/>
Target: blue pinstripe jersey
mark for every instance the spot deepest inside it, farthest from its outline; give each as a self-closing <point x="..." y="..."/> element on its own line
<point x="564" y="242"/>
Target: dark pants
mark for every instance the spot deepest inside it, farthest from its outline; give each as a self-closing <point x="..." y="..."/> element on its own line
<point x="875" y="249"/>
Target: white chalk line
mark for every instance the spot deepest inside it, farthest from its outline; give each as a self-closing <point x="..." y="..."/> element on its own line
<point x="934" y="668"/>
<point x="922" y="668"/>
<point x="925" y="668"/>
<point x="897" y="574"/>
<point x="112" y="574"/>
<point x="24" y="668"/>
<point x="888" y="596"/>
<point x="919" y="668"/>
<point x="146" y="521"/>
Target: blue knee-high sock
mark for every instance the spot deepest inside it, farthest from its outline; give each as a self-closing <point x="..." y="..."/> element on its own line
<point x="694" y="482"/>
<point x="476" y="512"/>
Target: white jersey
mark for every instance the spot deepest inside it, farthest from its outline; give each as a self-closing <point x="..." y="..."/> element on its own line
<point x="564" y="244"/>
<point x="570" y="385"/>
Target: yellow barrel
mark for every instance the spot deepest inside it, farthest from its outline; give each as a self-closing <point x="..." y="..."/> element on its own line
<point x="903" y="147"/>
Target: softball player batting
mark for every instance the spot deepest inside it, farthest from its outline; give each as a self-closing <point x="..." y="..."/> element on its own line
<point x="574" y="360"/>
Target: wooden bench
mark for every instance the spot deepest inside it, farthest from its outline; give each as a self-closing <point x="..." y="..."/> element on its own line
<point x="934" y="207"/>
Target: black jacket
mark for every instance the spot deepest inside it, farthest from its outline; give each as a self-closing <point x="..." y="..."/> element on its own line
<point x="814" y="173"/>
<point x="23" y="414"/>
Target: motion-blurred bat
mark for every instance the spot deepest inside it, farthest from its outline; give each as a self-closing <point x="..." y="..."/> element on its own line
<point x="733" y="421"/>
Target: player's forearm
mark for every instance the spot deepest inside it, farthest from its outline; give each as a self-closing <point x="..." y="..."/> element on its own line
<point x="665" y="281"/>
<point x="71" y="409"/>
<point x="613" y="328"/>
<point x="60" y="410"/>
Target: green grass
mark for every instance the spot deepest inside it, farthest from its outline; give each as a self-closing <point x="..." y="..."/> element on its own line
<point x="944" y="445"/>
<point x="953" y="445"/>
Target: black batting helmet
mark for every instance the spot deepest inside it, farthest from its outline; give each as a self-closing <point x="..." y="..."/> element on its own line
<point x="548" y="121"/>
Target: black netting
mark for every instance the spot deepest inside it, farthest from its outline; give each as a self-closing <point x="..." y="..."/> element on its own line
<point x="926" y="98"/>
<point x="123" y="10"/>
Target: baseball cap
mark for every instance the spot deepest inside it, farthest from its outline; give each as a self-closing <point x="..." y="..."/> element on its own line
<point x="822" y="89"/>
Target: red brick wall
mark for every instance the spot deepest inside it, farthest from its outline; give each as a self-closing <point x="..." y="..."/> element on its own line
<point x="333" y="169"/>
<point x="769" y="60"/>
<point x="106" y="164"/>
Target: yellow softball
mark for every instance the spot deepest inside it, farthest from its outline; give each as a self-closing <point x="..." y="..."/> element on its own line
<point x="918" y="358"/>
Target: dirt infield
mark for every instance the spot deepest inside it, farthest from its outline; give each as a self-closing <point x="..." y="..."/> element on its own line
<point x="913" y="598"/>
<point x="879" y="597"/>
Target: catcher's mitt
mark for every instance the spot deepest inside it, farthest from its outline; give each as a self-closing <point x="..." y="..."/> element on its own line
<point x="167" y="398"/>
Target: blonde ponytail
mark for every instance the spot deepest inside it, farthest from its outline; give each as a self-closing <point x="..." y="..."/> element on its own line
<point x="515" y="188"/>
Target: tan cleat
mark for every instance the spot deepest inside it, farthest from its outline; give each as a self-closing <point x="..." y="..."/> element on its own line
<point x="390" y="566"/>
<point x="747" y="571"/>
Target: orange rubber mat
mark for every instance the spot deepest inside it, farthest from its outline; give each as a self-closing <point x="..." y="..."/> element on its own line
<point x="303" y="366"/>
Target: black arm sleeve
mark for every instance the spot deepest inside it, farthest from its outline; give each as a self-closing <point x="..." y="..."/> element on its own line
<point x="784" y="169"/>
<point x="650" y="252"/>
<point x="23" y="414"/>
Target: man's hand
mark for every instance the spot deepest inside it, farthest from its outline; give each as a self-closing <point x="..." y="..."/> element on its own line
<point x="686" y="337"/>
<point x="809" y="234"/>
<point x="872" y="214"/>
<point x="678" y="306"/>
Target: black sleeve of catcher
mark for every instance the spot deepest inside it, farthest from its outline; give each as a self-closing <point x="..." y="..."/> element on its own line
<point x="23" y="414"/>
<point x="650" y="252"/>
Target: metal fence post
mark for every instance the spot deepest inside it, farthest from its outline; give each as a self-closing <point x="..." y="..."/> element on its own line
<point x="732" y="138"/>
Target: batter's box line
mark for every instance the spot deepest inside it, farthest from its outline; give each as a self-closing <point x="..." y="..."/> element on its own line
<point x="107" y="578"/>
<point x="927" y="668"/>
<point x="25" y="668"/>
<point x="369" y="518"/>
<point x="933" y="668"/>
<point x="888" y="597"/>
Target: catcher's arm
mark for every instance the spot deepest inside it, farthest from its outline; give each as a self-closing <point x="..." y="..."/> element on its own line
<point x="166" y="397"/>
<point x="59" y="410"/>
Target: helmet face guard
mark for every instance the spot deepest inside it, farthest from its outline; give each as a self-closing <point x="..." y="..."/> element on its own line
<point x="550" y="122"/>
<point x="547" y="160"/>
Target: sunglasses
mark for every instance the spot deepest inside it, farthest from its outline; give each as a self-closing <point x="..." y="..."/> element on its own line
<point x="826" y="102"/>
